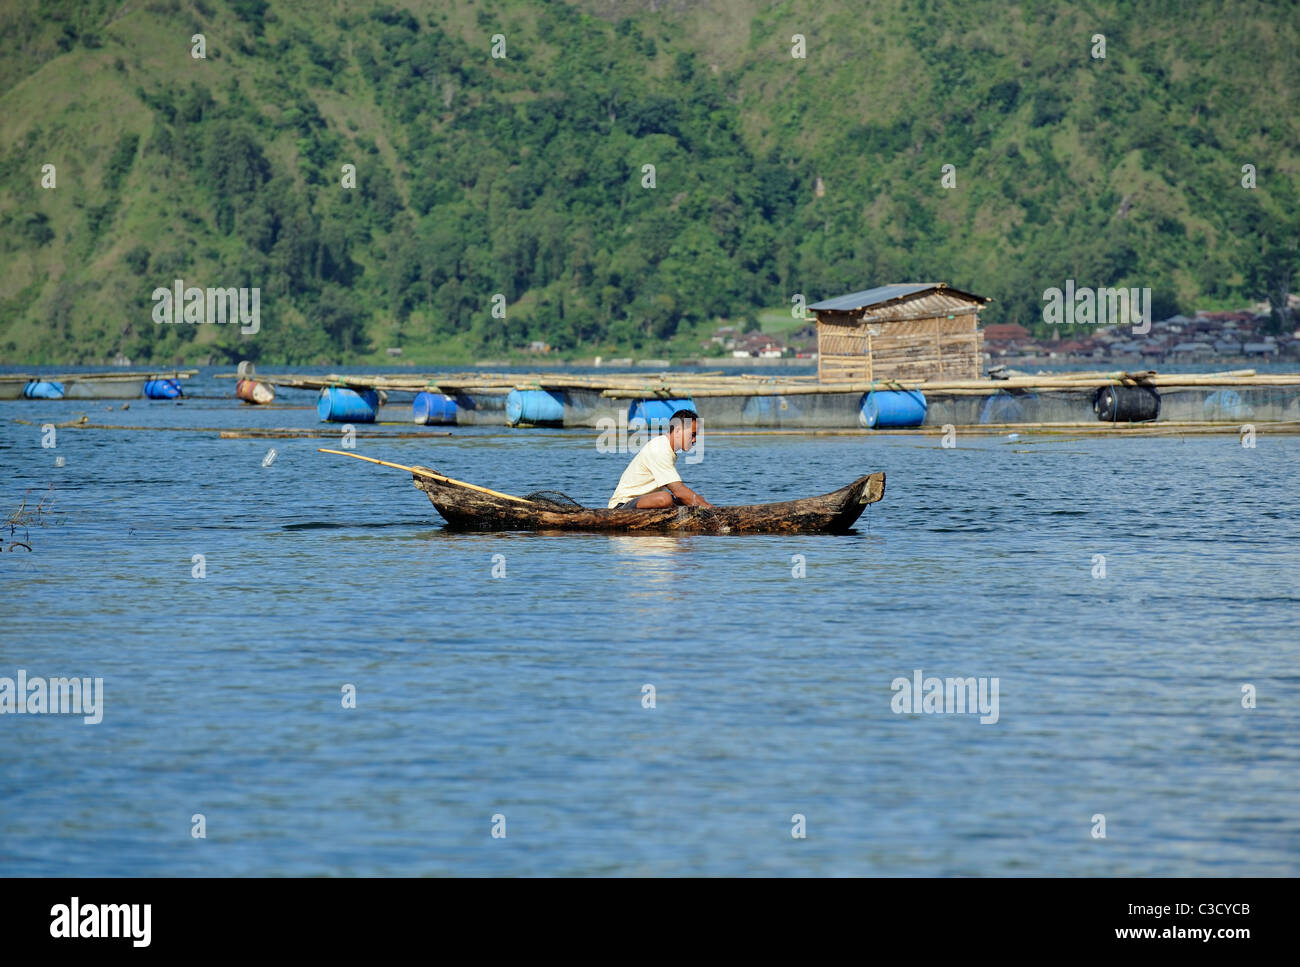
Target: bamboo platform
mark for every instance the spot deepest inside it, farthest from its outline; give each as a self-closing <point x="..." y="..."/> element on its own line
<point x="1048" y="431"/>
<point x="801" y="401"/>
<point x="1074" y="431"/>
<point x="504" y="382"/>
<point x="716" y="385"/>
<point x="144" y="374"/>
<point x="252" y="433"/>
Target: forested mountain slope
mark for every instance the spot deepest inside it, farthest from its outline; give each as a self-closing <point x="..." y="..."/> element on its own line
<point x="525" y="175"/>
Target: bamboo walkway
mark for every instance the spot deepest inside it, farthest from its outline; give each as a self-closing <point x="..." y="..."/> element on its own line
<point x="144" y="374"/>
<point x="716" y="384"/>
<point x="1071" y="430"/>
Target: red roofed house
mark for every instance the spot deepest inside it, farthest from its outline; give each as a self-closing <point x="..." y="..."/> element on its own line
<point x="1005" y="332"/>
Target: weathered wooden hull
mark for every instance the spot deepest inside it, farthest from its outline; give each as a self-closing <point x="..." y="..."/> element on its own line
<point x="474" y="509"/>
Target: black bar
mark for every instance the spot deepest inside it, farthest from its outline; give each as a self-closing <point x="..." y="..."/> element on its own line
<point x="332" y="917"/>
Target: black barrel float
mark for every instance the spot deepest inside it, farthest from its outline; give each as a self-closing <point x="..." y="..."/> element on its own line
<point x="1127" y="404"/>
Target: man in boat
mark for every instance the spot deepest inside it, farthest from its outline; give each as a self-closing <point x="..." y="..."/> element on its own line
<point x="651" y="479"/>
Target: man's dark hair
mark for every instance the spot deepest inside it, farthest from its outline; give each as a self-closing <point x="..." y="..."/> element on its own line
<point x="681" y="416"/>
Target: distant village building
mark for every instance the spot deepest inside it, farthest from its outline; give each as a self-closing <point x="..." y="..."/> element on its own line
<point x="914" y="330"/>
<point x="1007" y="332"/>
<point x="806" y="333"/>
<point x="757" y="344"/>
<point x="725" y="337"/>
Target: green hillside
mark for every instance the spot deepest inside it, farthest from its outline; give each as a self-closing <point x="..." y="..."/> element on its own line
<point x="523" y="176"/>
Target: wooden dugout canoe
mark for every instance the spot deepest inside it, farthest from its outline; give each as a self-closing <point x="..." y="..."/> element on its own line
<point x="464" y="506"/>
<point x="469" y="506"/>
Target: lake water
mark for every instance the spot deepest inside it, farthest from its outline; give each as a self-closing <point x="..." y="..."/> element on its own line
<point x="521" y="696"/>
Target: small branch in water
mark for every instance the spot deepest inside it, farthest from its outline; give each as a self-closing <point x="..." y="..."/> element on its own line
<point x="22" y="517"/>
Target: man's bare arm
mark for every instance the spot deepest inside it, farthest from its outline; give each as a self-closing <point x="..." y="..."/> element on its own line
<point x="687" y="496"/>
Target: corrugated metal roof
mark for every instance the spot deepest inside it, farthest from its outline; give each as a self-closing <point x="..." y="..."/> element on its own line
<point x="883" y="294"/>
<point x="871" y="297"/>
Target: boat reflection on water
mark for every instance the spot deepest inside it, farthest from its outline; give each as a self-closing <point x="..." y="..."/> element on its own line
<point x="649" y="545"/>
<point x="648" y="566"/>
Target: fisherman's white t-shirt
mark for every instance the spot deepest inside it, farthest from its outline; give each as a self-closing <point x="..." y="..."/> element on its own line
<point x="654" y="467"/>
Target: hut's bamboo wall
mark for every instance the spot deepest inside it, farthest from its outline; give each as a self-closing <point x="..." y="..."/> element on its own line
<point x="935" y="335"/>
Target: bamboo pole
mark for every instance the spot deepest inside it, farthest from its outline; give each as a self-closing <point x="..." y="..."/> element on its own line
<point x="101" y="377"/>
<point x="240" y="433"/>
<point x="633" y="386"/>
<point x="419" y="472"/>
<point x="1081" y="430"/>
<point x="322" y="434"/>
<point x="420" y="381"/>
<point x="751" y="388"/>
<point x="981" y="386"/>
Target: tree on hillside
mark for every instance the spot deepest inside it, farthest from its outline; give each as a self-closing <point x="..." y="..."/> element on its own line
<point x="1269" y="241"/>
<point x="1273" y="272"/>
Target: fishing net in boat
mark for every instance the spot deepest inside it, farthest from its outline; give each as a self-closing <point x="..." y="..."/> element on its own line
<point x="554" y="500"/>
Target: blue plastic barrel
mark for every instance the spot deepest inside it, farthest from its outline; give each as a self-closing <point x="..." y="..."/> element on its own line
<point x="40" y="389"/>
<point x="430" y="409"/>
<point x="890" y="408"/>
<point x="340" y="405"/>
<point x="536" y="406"/>
<point x="162" y="389"/>
<point x="656" y="411"/>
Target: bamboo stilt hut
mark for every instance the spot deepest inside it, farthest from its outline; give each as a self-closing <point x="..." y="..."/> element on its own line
<point x="916" y="330"/>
